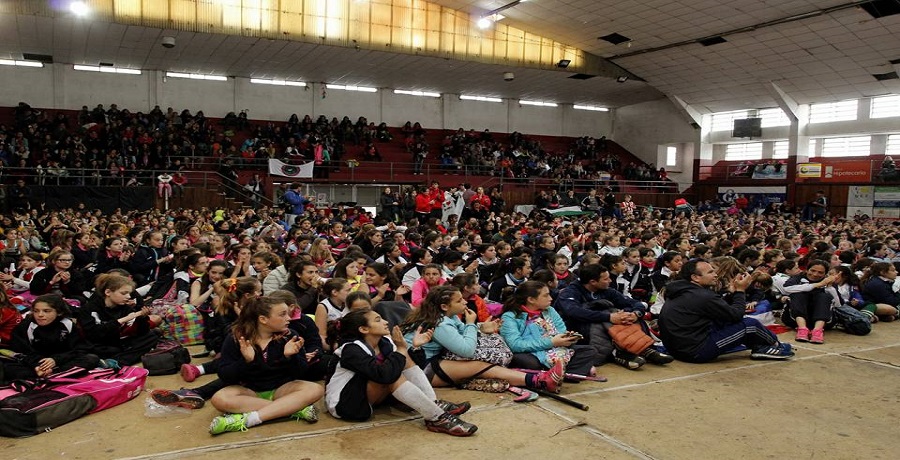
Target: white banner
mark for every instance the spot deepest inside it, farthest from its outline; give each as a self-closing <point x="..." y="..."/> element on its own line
<point x="280" y="168"/>
<point x="451" y="205"/>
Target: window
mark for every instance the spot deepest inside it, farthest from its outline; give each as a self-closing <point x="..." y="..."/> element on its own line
<point x="885" y="106"/>
<point x="893" y="145"/>
<point x="748" y="151"/>
<point x="812" y="148"/>
<point x="773" y="117"/>
<point x="846" y="146"/>
<point x="780" y="150"/>
<point x="725" y="121"/>
<point x="671" y="156"/>
<point x="833" y="111"/>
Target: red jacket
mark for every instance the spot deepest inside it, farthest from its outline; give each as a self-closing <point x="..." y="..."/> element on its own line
<point x="483" y="199"/>
<point x="438" y="196"/>
<point x="423" y="203"/>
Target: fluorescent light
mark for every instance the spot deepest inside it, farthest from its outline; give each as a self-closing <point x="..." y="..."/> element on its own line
<point x="196" y="76"/>
<point x="416" y="93"/>
<point x="263" y="81"/>
<point x="106" y="69"/>
<point x="79" y="8"/>
<point x="480" y="98"/>
<point x="538" y="103"/>
<point x="21" y="63"/>
<point x="590" y="107"/>
<point x="363" y="89"/>
<point x="484" y="23"/>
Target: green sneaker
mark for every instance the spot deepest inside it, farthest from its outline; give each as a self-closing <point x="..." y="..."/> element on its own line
<point x="228" y="422"/>
<point x="308" y="414"/>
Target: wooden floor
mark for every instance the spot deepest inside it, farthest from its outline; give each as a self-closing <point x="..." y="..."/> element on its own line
<point x="838" y="400"/>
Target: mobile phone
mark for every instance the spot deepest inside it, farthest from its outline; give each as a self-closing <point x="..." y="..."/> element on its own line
<point x="574" y="334"/>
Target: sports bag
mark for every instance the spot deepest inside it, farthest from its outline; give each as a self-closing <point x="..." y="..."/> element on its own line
<point x="851" y="320"/>
<point x="30" y="407"/>
<point x="630" y="337"/>
<point x="166" y="358"/>
<point x="490" y="348"/>
<point x="184" y="324"/>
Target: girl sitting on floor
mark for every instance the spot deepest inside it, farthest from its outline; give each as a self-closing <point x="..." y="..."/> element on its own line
<point x="113" y="326"/>
<point x="49" y="342"/>
<point x="263" y="363"/>
<point x="431" y="277"/>
<point x="441" y="310"/>
<point x="537" y="336"/>
<point x="333" y="306"/>
<point x="373" y="367"/>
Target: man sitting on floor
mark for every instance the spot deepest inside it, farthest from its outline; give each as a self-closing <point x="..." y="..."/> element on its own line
<point x="697" y="325"/>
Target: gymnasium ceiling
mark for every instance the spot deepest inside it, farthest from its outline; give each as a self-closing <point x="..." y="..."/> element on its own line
<point x="815" y="50"/>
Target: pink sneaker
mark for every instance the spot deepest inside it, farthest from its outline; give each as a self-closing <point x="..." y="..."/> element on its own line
<point x="189" y="372"/>
<point x="817" y="336"/>
<point x="802" y="334"/>
<point x="551" y="380"/>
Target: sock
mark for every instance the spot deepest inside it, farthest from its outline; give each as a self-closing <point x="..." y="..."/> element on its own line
<point x="529" y="379"/>
<point x="200" y="368"/>
<point x="252" y="419"/>
<point x="417" y="377"/>
<point x="412" y="396"/>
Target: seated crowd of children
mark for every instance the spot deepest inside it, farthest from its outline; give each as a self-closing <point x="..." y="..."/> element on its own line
<point x="396" y="309"/>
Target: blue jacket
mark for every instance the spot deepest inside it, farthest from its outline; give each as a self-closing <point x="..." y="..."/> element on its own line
<point x="451" y="334"/>
<point x="574" y="305"/>
<point x="523" y="336"/>
<point x="299" y="201"/>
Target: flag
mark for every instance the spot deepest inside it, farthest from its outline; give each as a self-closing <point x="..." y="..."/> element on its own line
<point x="451" y="205"/>
<point x="568" y="211"/>
<point x="280" y="168"/>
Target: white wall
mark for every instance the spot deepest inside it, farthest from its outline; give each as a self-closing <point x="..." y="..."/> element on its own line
<point x="58" y="86"/>
<point x="643" y="128"/>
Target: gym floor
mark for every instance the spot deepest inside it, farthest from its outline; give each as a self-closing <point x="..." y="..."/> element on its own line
<point x="838" y="400"/>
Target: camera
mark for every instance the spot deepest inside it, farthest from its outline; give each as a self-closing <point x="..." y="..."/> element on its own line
<point x="509" y="76"/>
<point x="168" y="42"/>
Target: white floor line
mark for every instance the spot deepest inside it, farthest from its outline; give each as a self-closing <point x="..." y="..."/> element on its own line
<point x="593" y="431"/>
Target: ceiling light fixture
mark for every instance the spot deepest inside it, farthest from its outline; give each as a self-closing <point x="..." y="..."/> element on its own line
<point x="362" y="89"/>
<point x="196" y="76"/>
<point x="480" y="98"/>
<point x="21" y="63"/>
<point x="79" y="8"/>
<point x="416" y="93"/>
<point x="106" y="69"/>
<point x="590" y="108"/>
<point x="563" y="63"/>
<point x="263" y="81"/>
<point x="622" y="79"/>
<point x="538" y="103"/>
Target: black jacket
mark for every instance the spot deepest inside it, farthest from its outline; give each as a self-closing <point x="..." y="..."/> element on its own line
<point x="269" y="369"/>
<point x="688" y="313"/>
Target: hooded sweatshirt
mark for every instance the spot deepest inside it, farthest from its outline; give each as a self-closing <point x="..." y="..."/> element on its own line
<point x="689" y="312"/>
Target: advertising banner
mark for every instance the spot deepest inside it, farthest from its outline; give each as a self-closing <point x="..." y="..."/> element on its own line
<point x="809" y="170"/>
<point x="847" y="171"/>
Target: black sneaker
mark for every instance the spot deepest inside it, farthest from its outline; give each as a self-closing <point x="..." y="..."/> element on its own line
<point x="654" y="356"/>
<point x="628" y="360"/>
<point x="188" y="399"/>
<point x="453" y="408"/>
<point x="451" y="425"/>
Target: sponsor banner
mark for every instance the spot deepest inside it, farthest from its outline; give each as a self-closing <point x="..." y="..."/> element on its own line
<point x="886" y="213"/>
<point x="848" y="171"/>
<point x="859" y="211"/>
<point x="757" y="197"/>
<point x="770" y="171"/>
<point x="860" y="195"/>
<point x="809" y="170"/>
<point x="886" y="204"/>
<point x="885" y="193"/>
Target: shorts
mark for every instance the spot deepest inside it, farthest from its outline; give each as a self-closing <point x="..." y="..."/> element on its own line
<point x="268" y="395"/>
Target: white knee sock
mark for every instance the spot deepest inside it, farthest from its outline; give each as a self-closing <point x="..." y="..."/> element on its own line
<point x="200" y="368"/>
<point x="412" y="396"/>
<point x="417" y="377"/>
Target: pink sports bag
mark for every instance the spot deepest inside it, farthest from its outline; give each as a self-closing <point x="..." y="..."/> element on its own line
<point x="29" y="407"/>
